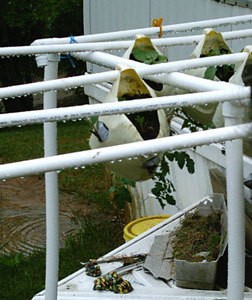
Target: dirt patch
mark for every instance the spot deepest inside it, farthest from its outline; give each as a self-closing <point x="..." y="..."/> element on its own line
<point x="22" y="214"/>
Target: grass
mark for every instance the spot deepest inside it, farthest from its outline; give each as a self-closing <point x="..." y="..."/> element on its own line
<point x="23" y="276"/>
<point x="27" y="143"/>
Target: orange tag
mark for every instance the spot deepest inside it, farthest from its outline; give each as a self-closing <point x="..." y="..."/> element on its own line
<point x="158" y="23"/>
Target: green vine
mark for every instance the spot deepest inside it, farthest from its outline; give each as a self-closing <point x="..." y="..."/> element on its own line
<point x="163" y="186"/>
<point x="120" y="192"/>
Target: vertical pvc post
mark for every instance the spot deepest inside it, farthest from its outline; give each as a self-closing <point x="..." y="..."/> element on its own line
<point x="51" y="186"/>
<point x="235" y="200"/>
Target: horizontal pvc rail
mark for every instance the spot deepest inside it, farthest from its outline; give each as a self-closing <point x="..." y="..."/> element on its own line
<point x="149" y="31"/>
<point x="112" y="45"/>
<point x="176" y="79"/>
<point x="112" y="61"/>
<point x="86" y="111"/>
<point x="56" y="84"/>
<point x="114" y="153"/>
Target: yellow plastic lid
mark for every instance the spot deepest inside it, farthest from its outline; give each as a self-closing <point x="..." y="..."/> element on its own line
<point x="139" y="226"/>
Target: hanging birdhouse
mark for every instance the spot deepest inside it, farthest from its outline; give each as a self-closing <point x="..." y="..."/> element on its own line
<point x="211" y="44"/>
<point x="143" y="50"/>
<point x="121" y="129"/>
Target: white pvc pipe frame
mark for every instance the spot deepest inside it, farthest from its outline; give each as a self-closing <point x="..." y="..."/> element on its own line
<point x="48" y="164"/>
<point x="51" y="184"/>
<point x="113" y="153"/>
<point x="87" y="111"/>
<point x="177" y="79"/>
<point x="111" y="45"/>
<point x="173" y="28"/>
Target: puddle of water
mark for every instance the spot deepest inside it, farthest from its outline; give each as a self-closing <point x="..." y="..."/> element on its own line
<point x="22" y="215"/>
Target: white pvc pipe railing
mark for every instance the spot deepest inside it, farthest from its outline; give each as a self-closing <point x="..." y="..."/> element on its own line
<point x="149" y="31"/>
<point x="57" y="84"/>
<point x="86" y="111"/>
<point x="51" y="185"/>
<point x="143" y="70"/>
<point x="235" y="201"/>
<point x="53" y="162"/>
<point x="180" y="80"/>
<point x="113" y="153"/>
<point x="113" y="45"/>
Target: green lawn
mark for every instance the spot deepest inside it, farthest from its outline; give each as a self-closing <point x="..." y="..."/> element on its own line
<point x="21" y="277"/>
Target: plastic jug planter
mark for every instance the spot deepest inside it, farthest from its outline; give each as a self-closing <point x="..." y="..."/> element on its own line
<point x="200" y="271"/>
<point x="122" y="129"/>
<point x="144" y="51"/>
<point x="243" y="77"/>
<point x="211" y="44"/>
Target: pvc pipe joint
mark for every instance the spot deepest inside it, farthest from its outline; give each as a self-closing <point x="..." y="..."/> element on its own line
<point x="43" y="59"/>
<point x="233" y="110"/>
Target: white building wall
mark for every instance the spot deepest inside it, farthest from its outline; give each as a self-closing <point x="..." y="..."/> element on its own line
<point x="114" y="15"/>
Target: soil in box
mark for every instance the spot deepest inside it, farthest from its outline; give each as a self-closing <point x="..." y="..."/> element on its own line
<point x="198" y="238"/>
<point x="197" y="246"/>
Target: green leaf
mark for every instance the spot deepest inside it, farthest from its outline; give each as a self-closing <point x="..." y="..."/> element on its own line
<point x="145" y="55"/>
<point x="160" y="59"/>
<point x="170" y="200"/>
<point x="127" y="181"/>
<point x="161" y="203"/>
<point x="190" y="165"/>
<point x="225" y="72"/>
<point x="158" y="187"/>
<point x="140" y="120"/>
<point x="180" y="158"/>
<point x="213" y="52"/>
<point x="169" y="155"/>
<point x="93" y="120"/>
<point x="210" y="72"/>
<point x="164" y="167"/>
<point x="122" y="196"/>
<point x="12" y="260"/>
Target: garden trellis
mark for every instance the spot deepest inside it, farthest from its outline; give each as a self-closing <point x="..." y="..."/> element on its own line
<point x="89" y="49"/>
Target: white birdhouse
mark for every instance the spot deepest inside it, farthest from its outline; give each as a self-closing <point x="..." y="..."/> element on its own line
<point x="121" y="129"/>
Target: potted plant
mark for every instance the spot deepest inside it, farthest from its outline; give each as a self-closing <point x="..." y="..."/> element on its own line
<point x="198" y="244"/>
<point x="127" y="128"/>
<point x="144" y="51"/>
<point x="212" y="43"/>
